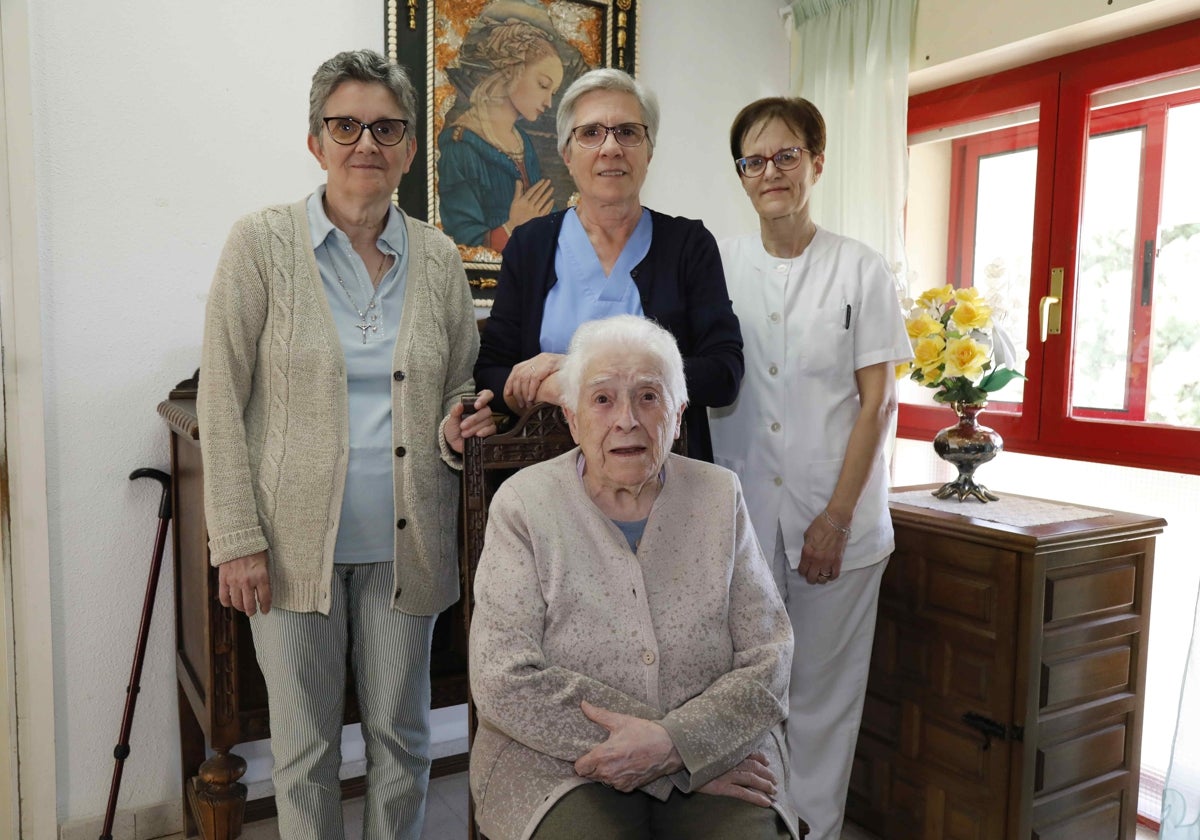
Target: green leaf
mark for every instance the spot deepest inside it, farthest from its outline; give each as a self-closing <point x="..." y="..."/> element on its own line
<point x="998" y="378"/>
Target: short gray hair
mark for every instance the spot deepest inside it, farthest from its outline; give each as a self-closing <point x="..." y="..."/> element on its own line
<point x="358" y="66"/>
<point x="605" y="78"/>
<point x="623" y="332"/>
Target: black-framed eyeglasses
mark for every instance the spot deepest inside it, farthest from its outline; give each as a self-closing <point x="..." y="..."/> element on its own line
<point x="593" y="135"/>
<point x="785" y="159"/>
<point x="345" y="131"/>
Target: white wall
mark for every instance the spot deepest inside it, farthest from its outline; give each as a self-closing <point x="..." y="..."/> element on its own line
<point x="705" y="65"/>
<point x="956" y="40"/>
<point x="139" y="177"/>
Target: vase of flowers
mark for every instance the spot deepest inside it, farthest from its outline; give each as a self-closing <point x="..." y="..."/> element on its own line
<point x="961" y="354"/>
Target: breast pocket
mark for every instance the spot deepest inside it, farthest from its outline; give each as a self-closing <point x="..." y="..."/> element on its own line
<point x="826" y="342"/>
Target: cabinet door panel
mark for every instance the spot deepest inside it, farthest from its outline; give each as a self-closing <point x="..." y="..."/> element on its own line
<point x="944" y="646"/>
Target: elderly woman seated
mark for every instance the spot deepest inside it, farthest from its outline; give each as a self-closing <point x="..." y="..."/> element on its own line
<point x="629" y="650"/>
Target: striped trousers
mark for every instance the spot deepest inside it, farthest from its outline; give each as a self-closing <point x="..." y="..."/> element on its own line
<point x="303" y="657"/>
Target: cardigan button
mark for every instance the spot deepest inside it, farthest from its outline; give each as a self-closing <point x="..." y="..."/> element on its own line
<point x="401" y="524"/>
<point x="400" y="451"/>
<point x="398" y="376"/>
<point x="648" y="657"/>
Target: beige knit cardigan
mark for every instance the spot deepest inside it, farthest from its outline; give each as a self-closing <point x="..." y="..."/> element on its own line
<point x="274" y="420"/>
<point x="690" y="631"/>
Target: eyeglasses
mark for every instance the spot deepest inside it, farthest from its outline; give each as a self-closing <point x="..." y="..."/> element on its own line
<point x="345" y="131"/>
<point x="784" y="159"/>
<point x="593" y="135"/>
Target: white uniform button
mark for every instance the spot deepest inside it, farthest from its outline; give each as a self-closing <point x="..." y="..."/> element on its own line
<point x="778" y="481"/>
<point x="648" y="657"/>
<point x="781" y="267"/>
<point x="775" y="317"/>
<point x="775" y="427"/>
<point x="773" y="370"/>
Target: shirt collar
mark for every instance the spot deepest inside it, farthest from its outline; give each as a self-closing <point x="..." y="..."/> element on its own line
<point x="394" y="235"/>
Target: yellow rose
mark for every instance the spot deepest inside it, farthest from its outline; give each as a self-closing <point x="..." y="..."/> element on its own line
<point x="965" y="357"/>
<point x="903" y="370"/>
<point x="969" y="294"/>
<point x="971" y="315"/>
<point x="929" y="358"/>
<point x="938" y="297"/>
<point x="923" y="325"/>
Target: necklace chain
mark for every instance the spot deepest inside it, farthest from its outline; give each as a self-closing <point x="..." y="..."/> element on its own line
<point x="369" y="317"/>
<point x="495" y="141"/>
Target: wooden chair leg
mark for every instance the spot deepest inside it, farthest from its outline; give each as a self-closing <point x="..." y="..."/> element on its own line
<point x="217" y="798"/>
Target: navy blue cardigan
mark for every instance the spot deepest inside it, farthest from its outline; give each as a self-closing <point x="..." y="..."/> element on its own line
<point x="682" y="286"/>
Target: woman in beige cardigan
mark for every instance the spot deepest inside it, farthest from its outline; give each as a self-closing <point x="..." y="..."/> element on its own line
<point x="629" y="651"/>
<point x="338" y="342"/>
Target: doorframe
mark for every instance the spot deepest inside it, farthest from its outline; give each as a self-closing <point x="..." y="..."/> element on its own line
<point x="29" y="653"/>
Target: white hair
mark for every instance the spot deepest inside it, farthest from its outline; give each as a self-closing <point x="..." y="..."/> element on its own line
<point x="605" y="78"/>
<point x="624" y="332"/>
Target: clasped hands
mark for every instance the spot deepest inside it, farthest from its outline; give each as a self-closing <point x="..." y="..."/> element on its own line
<point x="638" y="751"/>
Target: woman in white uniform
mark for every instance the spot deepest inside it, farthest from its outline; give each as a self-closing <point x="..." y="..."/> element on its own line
<point x="823" y="330"/>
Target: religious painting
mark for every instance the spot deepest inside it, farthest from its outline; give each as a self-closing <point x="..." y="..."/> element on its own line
<point x="490" y="74"/>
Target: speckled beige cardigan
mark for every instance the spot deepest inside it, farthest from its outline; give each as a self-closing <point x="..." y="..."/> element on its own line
<point x="690" y="632"/>
<point x="274" y="422"/>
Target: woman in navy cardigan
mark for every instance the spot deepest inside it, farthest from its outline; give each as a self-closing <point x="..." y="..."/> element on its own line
<point x="606" y="256"/>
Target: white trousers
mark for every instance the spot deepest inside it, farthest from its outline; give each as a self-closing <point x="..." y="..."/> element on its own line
<point x="834" y="628"/>
<point x="303" y="658"/>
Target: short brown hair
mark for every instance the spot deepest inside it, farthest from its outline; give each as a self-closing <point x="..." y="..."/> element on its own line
<point x="796" y="113"/>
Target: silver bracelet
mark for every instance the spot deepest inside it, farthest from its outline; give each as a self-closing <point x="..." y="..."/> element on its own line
<point x="843" y="530"/>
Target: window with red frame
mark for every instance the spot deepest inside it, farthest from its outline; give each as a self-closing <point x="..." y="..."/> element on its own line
<point x="1081" y="168"/>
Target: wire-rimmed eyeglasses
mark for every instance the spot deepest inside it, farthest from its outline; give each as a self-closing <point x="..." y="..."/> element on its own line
<point x="593" y="135"/>
<point x="345" y="131"/>
<point x="754" y="165"/>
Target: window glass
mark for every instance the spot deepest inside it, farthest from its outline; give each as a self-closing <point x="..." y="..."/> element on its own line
<point x="1137" y="306"/>
<point x="1174" y="392"/>
<point x="969" y="222"/>
<point x="1108" y="242"/>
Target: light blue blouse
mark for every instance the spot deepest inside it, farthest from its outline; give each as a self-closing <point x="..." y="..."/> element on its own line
<point x="366" y="533"/>
<point x="583" y="292"/>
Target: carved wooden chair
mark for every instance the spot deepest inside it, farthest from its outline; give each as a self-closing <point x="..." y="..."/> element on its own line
<point x="540" y="434"/>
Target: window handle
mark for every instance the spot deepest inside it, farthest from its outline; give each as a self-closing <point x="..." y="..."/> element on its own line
<point x="1047" y="303"/>
<point x="1050" y="306"/>
<point x="1147" y="270"/>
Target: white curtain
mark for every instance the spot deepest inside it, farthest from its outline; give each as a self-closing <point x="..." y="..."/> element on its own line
<point x="850" y="59"/>
<point x="1181" y="792"/>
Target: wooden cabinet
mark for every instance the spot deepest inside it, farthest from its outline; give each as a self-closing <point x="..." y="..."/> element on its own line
<point x="222" y="697"/>
<point x="1005" y="694"/>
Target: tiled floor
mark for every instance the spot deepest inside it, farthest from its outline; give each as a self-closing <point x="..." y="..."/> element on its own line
<point x="446" y="817"/>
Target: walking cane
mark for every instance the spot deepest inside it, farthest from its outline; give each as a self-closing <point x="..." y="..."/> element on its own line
<point x="121" y="750"/>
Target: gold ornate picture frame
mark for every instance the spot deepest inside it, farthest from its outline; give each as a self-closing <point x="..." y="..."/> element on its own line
<point x="489" y="75"/>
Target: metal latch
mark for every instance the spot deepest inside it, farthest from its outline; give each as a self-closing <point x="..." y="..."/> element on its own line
<point x="992" y="729"/>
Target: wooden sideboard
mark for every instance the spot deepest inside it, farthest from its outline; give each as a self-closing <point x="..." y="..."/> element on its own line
<point x="1005" y="693"/>
<point x="222" y="697"/>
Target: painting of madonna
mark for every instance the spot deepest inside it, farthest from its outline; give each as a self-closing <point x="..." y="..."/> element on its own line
<point x="510" y="67"/>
